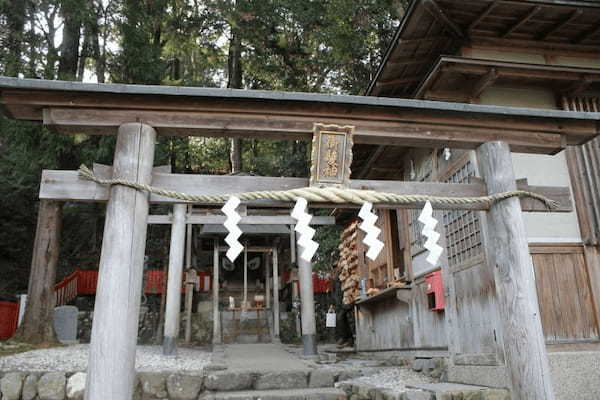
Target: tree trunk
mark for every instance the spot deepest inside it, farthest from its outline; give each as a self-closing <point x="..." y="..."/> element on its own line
<point x="234" y="81"/>
<point x="69" y="48"/>
<point x="15" y="22"/>
<point x="93" y="32"/>
<point x="37" y="322"/>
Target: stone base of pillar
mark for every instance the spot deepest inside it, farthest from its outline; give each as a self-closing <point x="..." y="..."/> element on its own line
<point x="169" y="346"/>
<point x="309" y="345"/>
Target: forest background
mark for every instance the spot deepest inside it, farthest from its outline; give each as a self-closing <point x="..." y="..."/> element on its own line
<point x="322" y="46"/>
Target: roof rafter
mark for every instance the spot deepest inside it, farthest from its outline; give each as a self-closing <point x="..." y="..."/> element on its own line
<point x="437" y="12"/>
<point x="484" y="14"/>
<point x="522" y="21"/>
<point x="592" y="32"/>
<point x="574" y="15"/>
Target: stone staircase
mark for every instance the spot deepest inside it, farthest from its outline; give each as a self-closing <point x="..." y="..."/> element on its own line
<point x="254" y="327"/>
<point x="285" y="385"/>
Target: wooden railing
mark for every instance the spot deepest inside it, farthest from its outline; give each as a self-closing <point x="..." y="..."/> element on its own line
<point x="66" y="290"/>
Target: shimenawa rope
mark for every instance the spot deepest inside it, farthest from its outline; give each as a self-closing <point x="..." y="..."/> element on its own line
<point x="320" y="195"/>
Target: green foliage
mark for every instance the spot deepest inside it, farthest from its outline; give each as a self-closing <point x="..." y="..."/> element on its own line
<point x="293" y="45"/>
<point x="328" y="237"/>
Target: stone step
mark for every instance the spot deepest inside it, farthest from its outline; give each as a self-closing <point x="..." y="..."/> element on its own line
<point x="245" y="380"/>
<point x="247" y="338"/>
<point x="250" y="324"/>
<point x="279" y="394"/>
<point x="443" y="390"/>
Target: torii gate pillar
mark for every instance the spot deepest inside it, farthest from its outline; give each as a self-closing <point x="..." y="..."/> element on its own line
<point x="111" y="364"/>
<point x="525" y="349"/>
<point x="307" y="307"/>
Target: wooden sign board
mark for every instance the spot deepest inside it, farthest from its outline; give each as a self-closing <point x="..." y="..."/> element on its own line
<point x="331" y="155"/>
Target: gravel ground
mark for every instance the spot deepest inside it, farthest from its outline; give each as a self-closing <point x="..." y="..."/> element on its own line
<point x="74" y="358"/>
<point x="393" y="378"/>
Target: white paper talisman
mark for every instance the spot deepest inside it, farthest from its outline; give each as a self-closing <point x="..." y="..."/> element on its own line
<point x="330" y="320"/>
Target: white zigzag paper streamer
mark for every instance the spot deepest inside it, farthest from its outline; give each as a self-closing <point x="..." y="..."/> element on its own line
<point x="368" y="226"/>
<point x="435" y="250"/>
<point x="231" y="223"/>
<point x="309" y="246"/>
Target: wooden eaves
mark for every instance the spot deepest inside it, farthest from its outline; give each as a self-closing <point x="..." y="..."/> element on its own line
<point x="451" y="77"/>
<point x="431" y="28"/>
<point x="74" y="107"/>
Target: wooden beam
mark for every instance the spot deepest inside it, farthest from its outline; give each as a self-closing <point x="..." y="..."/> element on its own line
<point x="402" y="129"/>
<point x="574" y="15"/>
<point x="535" y="47"/>
<point x="399" y="81"/>
<point x="433" y="7"/>
<point x="483" y="15"/>
<point x="483" y="83"/>
<point x="406" y="63"/>
<point x="524" y="346"/>
<point x="111" y="373"/>
<point x="66" y="186"/>
<point x="522" y="21"/>
<point x="445" y="95"/>
<point x="509" y="69"/>
<point x="372" y="159"/>
<point x="251" y="249"/>
<point x="246" y="220"/>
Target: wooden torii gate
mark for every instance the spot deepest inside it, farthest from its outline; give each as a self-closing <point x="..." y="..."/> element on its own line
<point x="136" y="114"/>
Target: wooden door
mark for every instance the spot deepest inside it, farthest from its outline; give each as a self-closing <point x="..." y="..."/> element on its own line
<point x="564" y="294"/>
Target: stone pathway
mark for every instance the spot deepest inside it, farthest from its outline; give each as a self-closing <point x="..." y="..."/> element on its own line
<point x="261" y="357"/>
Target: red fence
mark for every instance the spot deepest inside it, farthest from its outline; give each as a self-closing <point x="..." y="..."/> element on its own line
<point x="321" y="282"/>
<point x="87" y="279"/>
<point x="154" y="282"/>
<point x="84" y="281"/>
<point x="9" y="316"/>
<point x="66" y="290"/>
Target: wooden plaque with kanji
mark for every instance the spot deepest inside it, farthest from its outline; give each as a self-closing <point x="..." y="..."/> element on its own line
<point x="331" y="155"/>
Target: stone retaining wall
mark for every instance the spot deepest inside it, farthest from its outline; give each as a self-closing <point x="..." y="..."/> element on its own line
<point x="161" y="385"/>
<point x="148" y="324"/>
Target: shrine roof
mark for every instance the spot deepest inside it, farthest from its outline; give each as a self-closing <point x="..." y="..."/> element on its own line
<point x="433" y="28"/>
